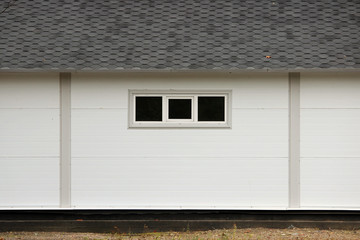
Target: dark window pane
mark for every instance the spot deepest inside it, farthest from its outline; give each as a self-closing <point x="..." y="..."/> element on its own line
<point x="148" y="109"/>
<point x="211" y="108"/>
<point x="179" y="108"/>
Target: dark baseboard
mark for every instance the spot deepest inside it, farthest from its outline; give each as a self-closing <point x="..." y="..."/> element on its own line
<point x="136" y="221"/>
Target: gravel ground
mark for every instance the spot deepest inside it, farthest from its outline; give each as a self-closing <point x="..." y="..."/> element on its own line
<point x="249" y="233"/>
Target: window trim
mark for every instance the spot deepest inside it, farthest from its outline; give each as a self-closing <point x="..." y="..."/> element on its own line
<point x="167" y="110"/>
<point x="181" y="123"/>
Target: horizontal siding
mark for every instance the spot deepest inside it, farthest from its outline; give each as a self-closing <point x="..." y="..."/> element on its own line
<point x="331" y="90"/>
<point x="181" y="174"/>
<point x="330" y="122"/>
<point x="24" y="90"/>
<point x="330" y="140"/>
<point x="330" y="182"/>
<point x="330" y="146"/>
<point x="29" y="132"/>
<point x="29" y="140"/>
<point x="111" y="90"/>
<point x="117" y="167"/>
<point x="101" y="132"/>
<point x="29" y="182"/>
<point x="186" y="181"/>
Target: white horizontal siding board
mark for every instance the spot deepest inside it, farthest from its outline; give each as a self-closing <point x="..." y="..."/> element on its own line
<point x="29" y="122"/>
<point x="330" y="182"/>
<point x="103" y="132"/>
<point x="29" y="182"/>
<point x="330" y="146"/>
<point x="330" y="140"/>
<point x="40" y="171"/>
<point x="269" y="91"/>
<point x="330" y="132"/>
<point x="330" y="122"/>
<point x="117" y="167"/>
<point x="330" y="90"/>
<point x="113" y="122"/>
<point x="29" y="199"/>
<point x="29" y="132"/>
<point x="261" y="122"/>
<point x="176" y="200"/>
<point x="24" y="90"/>
<point x="159" y="199"/>
<point x="29" y="140"/>
<point x="271" y="146"/>
<point x="111" y="90"/>
<point x="167" y="176"/>
<point x="181" y="173"/>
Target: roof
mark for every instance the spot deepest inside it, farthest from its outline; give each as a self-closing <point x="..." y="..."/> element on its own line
<point x="179" y="34"/>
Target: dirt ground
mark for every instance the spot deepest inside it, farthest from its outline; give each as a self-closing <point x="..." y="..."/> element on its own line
<point x="249" y="233"/>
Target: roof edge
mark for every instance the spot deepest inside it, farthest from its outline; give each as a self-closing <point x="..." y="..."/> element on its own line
<point x="23" y="70"/>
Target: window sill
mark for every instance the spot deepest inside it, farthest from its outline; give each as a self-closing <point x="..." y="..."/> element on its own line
<point x="179" y="125"/>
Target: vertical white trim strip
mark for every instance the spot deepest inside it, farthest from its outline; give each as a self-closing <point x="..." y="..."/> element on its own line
<point x="294" y="140"/>
<point x="65" y="140"/>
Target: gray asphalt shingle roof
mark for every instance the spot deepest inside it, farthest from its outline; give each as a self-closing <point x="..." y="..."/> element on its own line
<point x="179" y="34"/>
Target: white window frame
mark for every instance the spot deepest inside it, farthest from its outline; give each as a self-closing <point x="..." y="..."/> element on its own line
<point x="179" y="123"/>
<point x="166" y="111"/>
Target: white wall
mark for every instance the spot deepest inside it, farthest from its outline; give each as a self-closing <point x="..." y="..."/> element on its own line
<point x="330" y="140"/>
<point x="242" y="167"/>
<point x="29" y="140"/>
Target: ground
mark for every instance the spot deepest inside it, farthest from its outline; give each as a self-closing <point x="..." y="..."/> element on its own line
<point x="246" y="234"/>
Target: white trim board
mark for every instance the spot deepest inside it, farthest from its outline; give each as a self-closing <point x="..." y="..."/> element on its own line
<point x="294" y="140"/>
<point x="65" y="140"/>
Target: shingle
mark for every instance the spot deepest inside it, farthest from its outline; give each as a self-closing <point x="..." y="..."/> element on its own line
<point x="181" y="34"/>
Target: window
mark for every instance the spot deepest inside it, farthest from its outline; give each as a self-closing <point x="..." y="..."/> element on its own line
<point x="148" y="109"/>
<point x="179" y="108"/>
